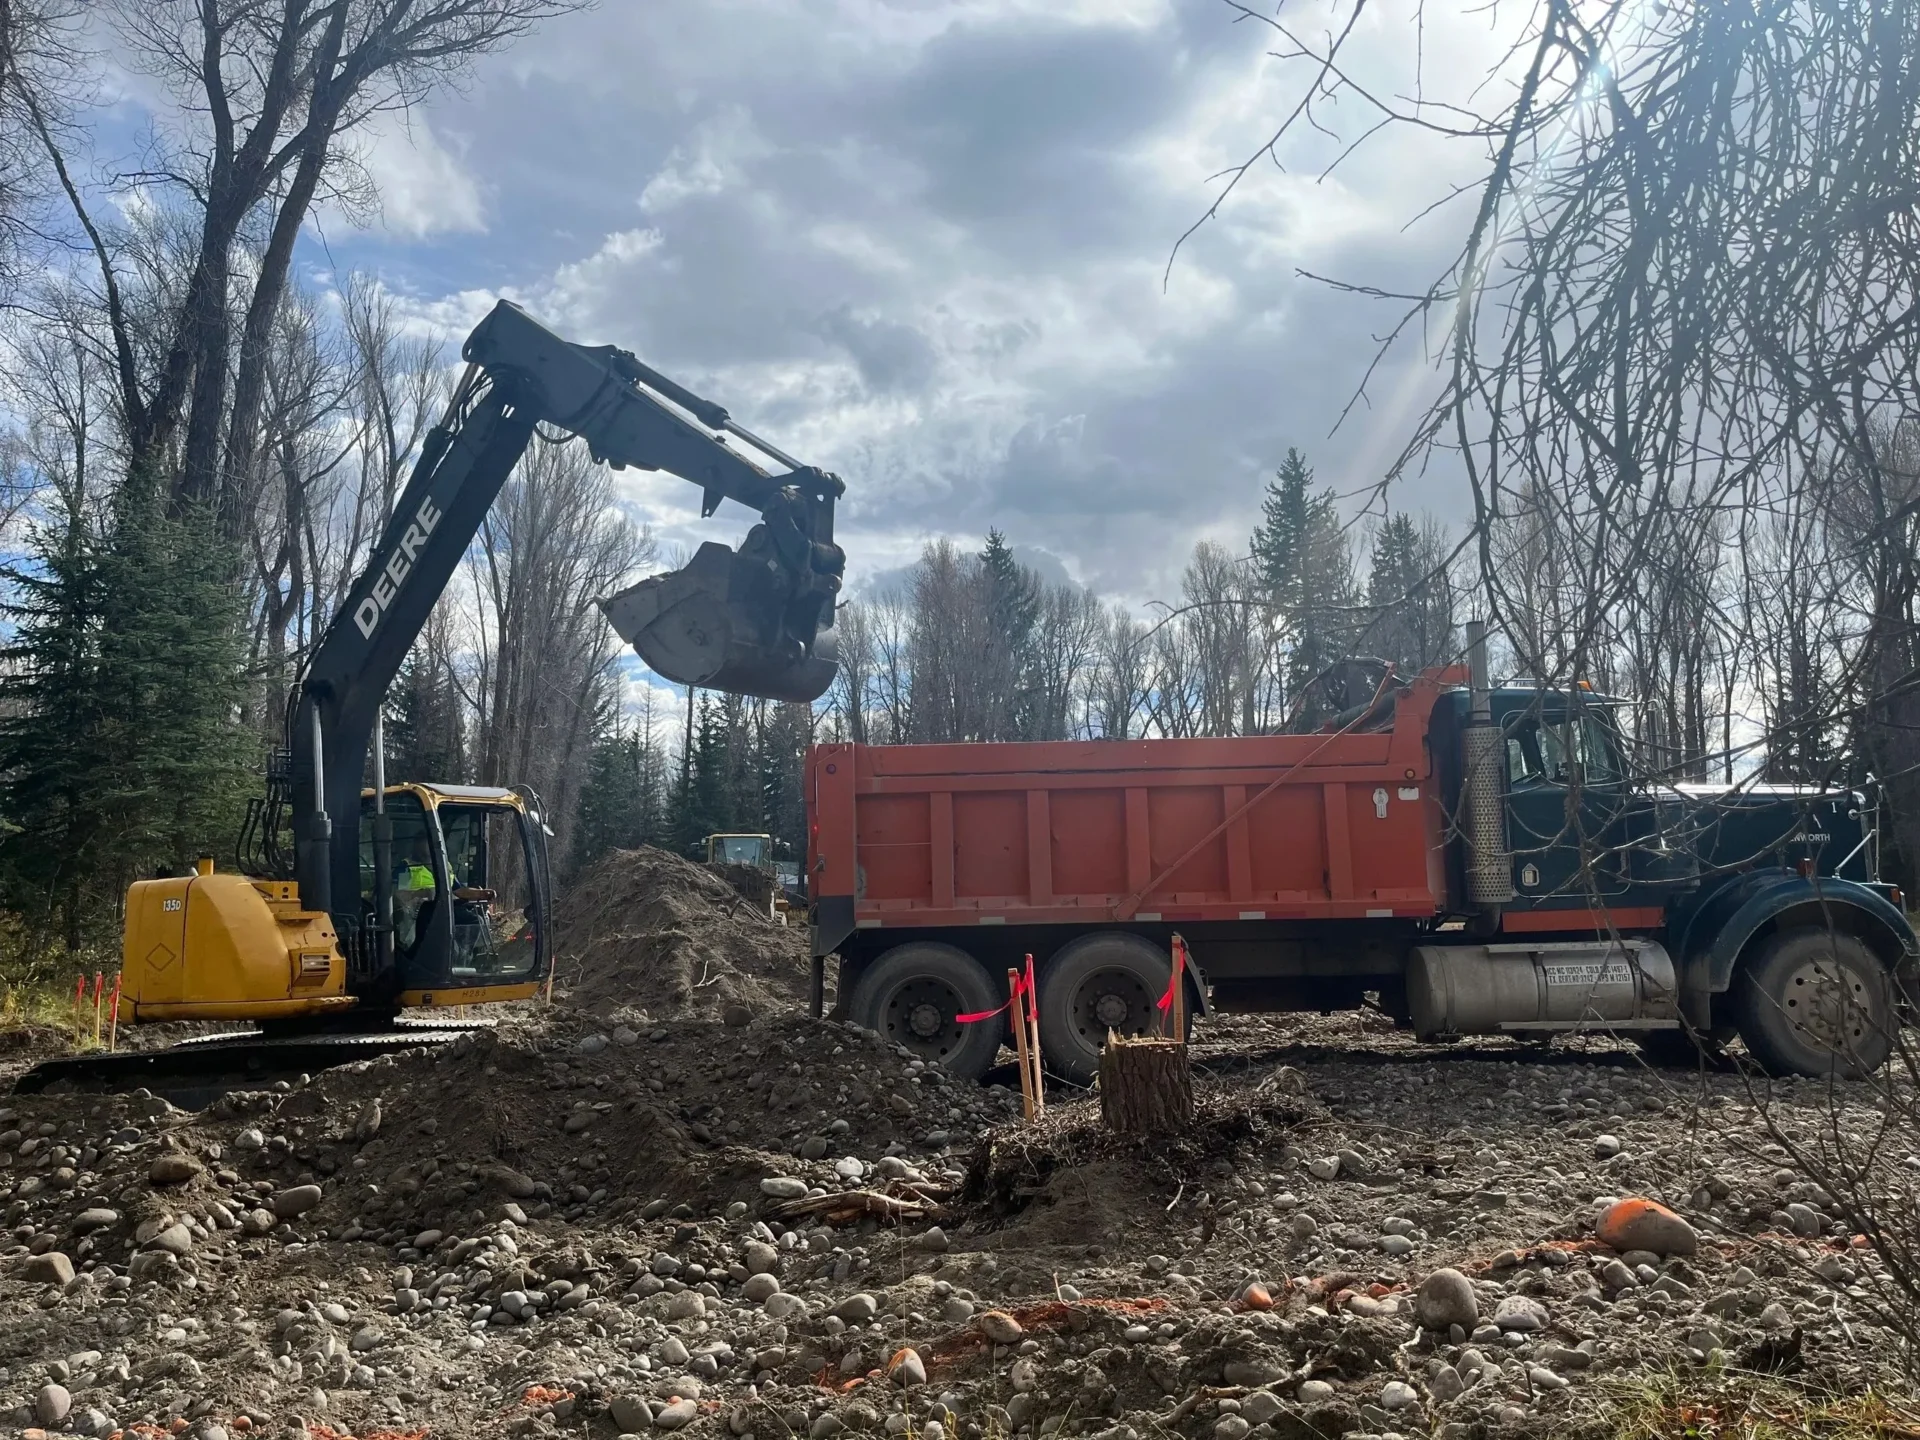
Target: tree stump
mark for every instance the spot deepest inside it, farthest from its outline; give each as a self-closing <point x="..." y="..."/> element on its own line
<point x="1146" y="1086"/>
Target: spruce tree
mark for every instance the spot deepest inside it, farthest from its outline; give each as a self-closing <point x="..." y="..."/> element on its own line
<point x="1280" y="537"/>
<point x="1305" y="569"/>
<point x="783" y="749"/>
<point x="613" y="806"/>
<point x="1410" y="595"/>
<point x="121" y="746"/>
<point x="701" y="807"/>
<point x="48" y="733"/>
<point x="426" y="727"/>
<point x="1013" y="610"/>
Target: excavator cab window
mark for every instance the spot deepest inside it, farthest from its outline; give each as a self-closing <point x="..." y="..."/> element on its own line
<point x="416" y="872"/>
<point x="468" y="881"/>
<point x="495" y="924"/>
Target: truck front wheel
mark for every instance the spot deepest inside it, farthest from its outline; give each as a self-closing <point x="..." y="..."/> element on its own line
<point x="1096" y="984"/>
<point x="1814" y="1002"/>
<point x="912" y="996"/>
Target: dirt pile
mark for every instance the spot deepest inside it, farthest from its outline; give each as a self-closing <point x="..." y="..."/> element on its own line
<point x="644" y="934"/>
<point x="596" y="1126"/>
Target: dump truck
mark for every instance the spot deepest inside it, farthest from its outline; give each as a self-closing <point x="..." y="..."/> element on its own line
<point x="1471" y="860"/>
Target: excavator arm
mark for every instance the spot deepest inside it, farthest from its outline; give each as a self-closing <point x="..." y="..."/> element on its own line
<point x="754" y="622"/>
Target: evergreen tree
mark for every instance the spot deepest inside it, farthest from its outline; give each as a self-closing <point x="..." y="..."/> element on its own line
<point x="783" y="749"/>
<point x="1305" y="569"/>
<point x="740" y="722"/>
<point x="701" y="808"/>
<point x="1280" y="538"/>
<point x="426" y="724"/>
<point x="1013" y="610"/>
<point x="1411" y="595"/>
<point x="614" y="809"/>
<point x="120" y="747"/>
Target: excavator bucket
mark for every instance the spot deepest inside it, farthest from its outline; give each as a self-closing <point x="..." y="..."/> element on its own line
<point x="723" y="622"/>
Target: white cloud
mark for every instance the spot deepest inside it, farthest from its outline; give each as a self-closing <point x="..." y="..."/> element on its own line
<point x="425" y="189"/>
<point x="924" y="243"/>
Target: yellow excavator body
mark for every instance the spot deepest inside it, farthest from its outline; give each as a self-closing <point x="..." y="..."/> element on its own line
<point x="212" y="946"/>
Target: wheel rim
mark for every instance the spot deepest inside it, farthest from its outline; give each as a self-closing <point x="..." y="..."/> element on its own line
<point x="1829" y="1006"/>
<point x="920" y="1013"/>
<point x="1112" y="1000"/>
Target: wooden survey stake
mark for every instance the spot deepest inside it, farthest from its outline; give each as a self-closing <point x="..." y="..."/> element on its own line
<point x="1021" y="1039"/>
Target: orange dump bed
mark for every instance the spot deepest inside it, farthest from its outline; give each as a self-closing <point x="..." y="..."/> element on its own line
<point x="1323" y="826"/>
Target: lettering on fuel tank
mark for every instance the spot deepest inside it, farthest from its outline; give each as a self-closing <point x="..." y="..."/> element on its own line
<point x="1590" y="973"/>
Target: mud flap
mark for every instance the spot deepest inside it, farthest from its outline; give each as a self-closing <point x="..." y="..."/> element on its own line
<point x="720" y="622"/>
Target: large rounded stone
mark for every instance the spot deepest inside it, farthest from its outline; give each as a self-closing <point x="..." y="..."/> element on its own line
<point x="296" y="1201"/>
<point x="52" y="1404"/>
<point x="1446" y="1298"/>
<point x="1520" y="1313"/>
<point x="172" y="1168"/>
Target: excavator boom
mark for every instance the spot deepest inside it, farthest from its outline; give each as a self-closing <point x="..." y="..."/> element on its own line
<point x="756" y="621"/>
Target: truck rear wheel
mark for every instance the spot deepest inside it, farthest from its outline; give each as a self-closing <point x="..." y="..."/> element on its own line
<point x="1096" y="984"/>
<point x="1812" y="1002"/>
<point x="913" y="993"/>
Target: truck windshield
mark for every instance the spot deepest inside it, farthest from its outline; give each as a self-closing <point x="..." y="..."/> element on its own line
<point x="1538" y="750"/>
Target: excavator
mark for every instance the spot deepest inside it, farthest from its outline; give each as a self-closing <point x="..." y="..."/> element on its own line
<point x="353" y="904"/>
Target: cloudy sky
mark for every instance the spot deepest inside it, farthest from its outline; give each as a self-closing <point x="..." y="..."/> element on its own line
<point x="925" y="243"/>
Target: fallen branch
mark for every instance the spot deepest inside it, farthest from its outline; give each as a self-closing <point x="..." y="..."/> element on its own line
<point x="849" y="1205"/>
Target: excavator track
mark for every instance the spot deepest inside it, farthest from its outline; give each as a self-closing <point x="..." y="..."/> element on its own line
<point x="194" y="1073"/>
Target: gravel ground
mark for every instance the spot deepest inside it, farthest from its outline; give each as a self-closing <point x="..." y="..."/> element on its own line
<point x="561" y="1226"/>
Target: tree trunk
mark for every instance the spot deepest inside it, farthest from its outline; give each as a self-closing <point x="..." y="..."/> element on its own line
<point x="323" y="114"/>
<point x="1146" y="1086"/>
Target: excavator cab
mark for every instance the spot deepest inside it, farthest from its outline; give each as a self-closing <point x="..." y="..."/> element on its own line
<point x="470" y="891"/>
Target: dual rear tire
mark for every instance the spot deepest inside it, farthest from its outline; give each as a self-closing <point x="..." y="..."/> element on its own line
<point x="914" y="994"/>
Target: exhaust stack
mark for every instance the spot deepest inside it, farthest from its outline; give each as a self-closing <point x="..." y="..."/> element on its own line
<point x="1483" y="799"/>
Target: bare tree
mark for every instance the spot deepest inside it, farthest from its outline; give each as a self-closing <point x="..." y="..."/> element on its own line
<point x="302" y="455"/>
<point x="265" y="89"/>
<point x="851" y="696"/>
<point x="1118" y="690"/>
<point x="891" y="625"/>
<point x="553" y="544"/>
<point x="1066" y="648"/>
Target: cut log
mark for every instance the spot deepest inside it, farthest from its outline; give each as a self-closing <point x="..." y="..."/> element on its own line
<point x="1146" y="1086"/>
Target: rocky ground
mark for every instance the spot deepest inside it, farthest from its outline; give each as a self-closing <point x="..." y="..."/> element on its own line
<point x="601" y="1219"/>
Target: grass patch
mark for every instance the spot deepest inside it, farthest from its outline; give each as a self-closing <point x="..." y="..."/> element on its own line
<point x="1742" y="1405"/>
<point x="35" y="1017"/>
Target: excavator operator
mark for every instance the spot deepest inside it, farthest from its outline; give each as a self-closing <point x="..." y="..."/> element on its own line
<point x="413" y="890"/>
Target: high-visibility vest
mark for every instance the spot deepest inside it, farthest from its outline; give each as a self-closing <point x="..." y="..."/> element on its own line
<point x="418" y="877"/>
